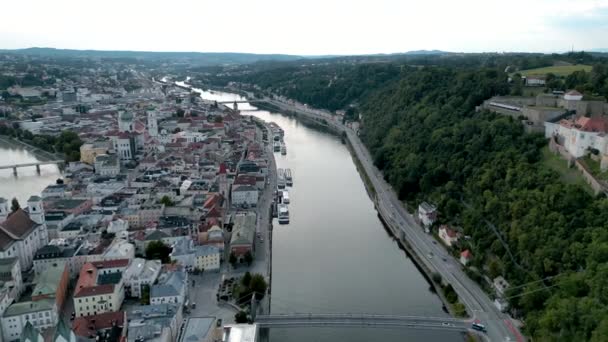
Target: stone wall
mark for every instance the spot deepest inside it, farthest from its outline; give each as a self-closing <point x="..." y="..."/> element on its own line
<point x="596" y="185"/>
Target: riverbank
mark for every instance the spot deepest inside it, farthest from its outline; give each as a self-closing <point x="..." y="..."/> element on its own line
<point x="39" y="153"/>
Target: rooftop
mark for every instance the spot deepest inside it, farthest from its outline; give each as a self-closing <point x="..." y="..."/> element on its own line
<point x="21" y="308"/>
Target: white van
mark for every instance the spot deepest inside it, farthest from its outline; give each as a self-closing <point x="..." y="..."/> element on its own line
<point x="286" y="197"/>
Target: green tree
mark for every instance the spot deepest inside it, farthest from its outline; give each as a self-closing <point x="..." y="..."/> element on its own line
<point x="15" y="204"/>
<point x="232" y="259"/>
<point x="145" y="295"/>
<point x="158" y="250"/>
<point x="246" y="281"/>
<point x="258" y="285"/>
<point x="166" y="201"/>
<point x="248" y="258"/>
<point x="241" y="317"/>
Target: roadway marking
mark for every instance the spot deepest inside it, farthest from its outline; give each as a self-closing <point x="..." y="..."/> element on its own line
<point x="513" y="330"/>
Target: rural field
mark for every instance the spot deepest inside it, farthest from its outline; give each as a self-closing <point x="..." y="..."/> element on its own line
<point x="562" y="70"/>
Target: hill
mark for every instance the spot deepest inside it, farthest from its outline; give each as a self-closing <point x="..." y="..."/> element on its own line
<point x="200" y="58"/>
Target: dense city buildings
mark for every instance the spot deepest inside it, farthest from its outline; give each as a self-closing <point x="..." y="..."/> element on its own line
<point x="142" y="207"/>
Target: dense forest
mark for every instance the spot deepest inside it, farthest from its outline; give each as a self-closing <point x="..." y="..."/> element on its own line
<point x="482" y="170"/>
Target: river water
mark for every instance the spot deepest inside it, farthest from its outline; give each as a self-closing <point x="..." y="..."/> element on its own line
<point x="335" y="256"/>
<point x="27" y="182"/>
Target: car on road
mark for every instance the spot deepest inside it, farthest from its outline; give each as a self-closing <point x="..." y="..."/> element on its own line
<point x="430" y="256"/>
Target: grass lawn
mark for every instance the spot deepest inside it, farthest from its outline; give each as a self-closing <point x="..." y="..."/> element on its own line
<point x="566" y="174"/>
<point x="564" y="70"/>
<point x="594" y="167"/>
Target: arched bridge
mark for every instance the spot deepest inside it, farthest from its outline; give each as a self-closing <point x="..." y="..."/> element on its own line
<point x="295" y="320"/>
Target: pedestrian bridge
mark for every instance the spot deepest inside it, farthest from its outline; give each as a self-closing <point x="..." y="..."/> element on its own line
<point x="295" y="320"/>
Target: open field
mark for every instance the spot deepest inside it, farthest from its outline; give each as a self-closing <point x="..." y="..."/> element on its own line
<point x="563" y="70"/>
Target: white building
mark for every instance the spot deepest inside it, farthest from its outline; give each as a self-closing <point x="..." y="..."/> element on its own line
<point x="171" y="288"/>
<point x="107" y="165"/>
<point x="11" y="284"/>
<point x="447" y="235"/>
<point x="573" y="95"/>
<point x="580" y="135"/>
<point x="500" y="285"/>
<point x="245" y="195"/>
<point x="21" y="233"/>
<point x="207" y="258"/>
<point x="118" y="225"/>
<point x="140" y="273"/>
<point x="534" y="81"/>
<point x="100" y="288"/>
<point x="427" y="214"/>
<point x="42" y="314"/>
<point x="152" y="122"/>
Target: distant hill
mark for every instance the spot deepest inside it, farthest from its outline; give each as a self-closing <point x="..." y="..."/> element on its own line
<point x="202" y="58"/>
<point x="427" y="52"/>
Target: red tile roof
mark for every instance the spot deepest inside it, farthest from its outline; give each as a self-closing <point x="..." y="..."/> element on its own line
<point x="94" y="290"/>
<point x="466" y="254"/>
<point x="87" y="277"/>
<point x="18" y="225"/>
<point x="111" y="263"/>
<point x="89" y="325"/>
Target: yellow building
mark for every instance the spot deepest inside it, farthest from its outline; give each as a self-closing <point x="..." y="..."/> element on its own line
<point x="88" y="152"/>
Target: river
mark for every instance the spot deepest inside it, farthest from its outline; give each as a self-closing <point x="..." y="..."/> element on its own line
<point x="28" y="182"/>
<point x="335" y="256"/>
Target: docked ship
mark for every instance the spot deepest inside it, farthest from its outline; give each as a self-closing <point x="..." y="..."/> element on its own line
<point x="281" y="179"/>
<point x="283" y="214"/>
<point x="288" y="177"/>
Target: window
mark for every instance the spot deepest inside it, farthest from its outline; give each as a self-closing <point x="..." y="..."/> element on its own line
<point x="47" y="314"/>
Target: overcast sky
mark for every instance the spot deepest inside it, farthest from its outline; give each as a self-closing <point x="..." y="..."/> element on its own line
<point x="306" y="27"/>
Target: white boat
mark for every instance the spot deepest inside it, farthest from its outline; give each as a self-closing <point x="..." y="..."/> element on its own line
<point x="288" y="177"/>
<point x="281" y="179"/>
<point x="283" y="213"/>
<point x="285" y="197"/>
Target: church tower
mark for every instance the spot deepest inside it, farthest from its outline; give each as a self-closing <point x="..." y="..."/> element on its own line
<point x="35" y="209"/>
<point x="125" y="121"/>
<point x="152" y="122"/>
<point x="4" y="210"/>
<point x="36" y="212"/>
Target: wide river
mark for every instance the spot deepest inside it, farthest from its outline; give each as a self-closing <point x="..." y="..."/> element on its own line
<point x="27" y="182"/>
<point x="335" y="256"/>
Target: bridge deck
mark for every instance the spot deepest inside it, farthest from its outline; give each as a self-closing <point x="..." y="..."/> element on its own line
<point x="2" y="167"/>
<point x="358" y="320"/>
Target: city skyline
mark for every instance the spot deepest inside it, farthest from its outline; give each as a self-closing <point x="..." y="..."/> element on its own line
<point x="318" y="28"/>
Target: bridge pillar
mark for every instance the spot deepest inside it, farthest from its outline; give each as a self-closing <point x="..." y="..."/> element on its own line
<point x="15" y="170"/>
<point x="38" y="168"/>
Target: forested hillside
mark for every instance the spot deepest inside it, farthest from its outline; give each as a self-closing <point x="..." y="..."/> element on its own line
<point x="481" y="169"/>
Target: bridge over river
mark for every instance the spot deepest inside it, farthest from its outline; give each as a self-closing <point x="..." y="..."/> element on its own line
<point x="36" y="164"/>
<point x="295" y="320"/>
